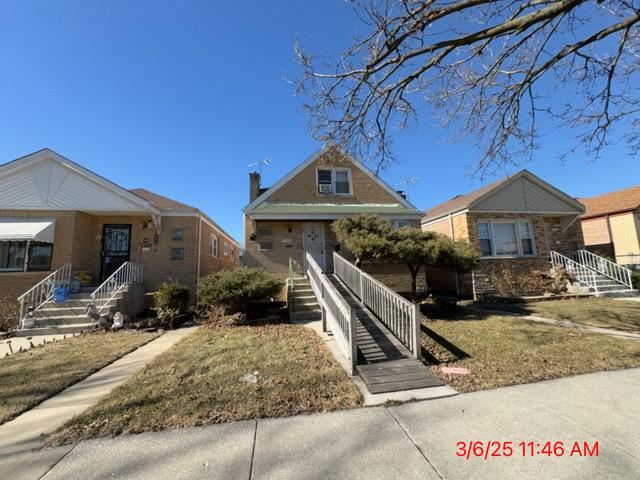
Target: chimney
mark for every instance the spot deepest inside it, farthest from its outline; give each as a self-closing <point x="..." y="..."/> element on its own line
<point x="254" y="186"/>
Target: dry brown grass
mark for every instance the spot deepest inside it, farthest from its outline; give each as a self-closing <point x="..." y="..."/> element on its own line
<point x="30" y="377"/>
<point x="501" y="350"/>
<point x="196" y="382"/>
<point x="596" y="312"/>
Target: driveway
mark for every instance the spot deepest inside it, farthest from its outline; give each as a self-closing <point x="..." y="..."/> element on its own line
<point x="410" y="441"/>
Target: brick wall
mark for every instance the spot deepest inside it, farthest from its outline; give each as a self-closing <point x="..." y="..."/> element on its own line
<point x="444" y="227"/>
<point x="303" y="187"/>
<point x="284" y="245"/>
<point x="210" y="263"/>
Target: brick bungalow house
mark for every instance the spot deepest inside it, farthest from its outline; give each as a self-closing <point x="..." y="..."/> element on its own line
<point x="55" y="212"/>
<point x="516" y="221"/>
<point x="611" y="225"/>
<point x="295" y="215"/>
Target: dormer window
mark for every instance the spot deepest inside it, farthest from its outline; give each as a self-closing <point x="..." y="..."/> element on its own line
<point x="336" y="181"/>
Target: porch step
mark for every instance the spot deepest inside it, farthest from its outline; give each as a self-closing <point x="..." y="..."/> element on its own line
<point x="60" y="320"/>
<point x="54" y="330"/>
<point x="305" y="316"/>
<point x="619" y="293"/>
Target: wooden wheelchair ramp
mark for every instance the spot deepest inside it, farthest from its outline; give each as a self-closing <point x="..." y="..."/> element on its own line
<point x="384" y="363"/>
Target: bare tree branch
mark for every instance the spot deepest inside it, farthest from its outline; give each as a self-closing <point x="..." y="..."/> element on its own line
<point x="489" y="69"/>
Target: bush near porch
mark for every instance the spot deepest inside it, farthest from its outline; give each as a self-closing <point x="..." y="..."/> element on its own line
<point x="500" y="350"/>
<point x="197" y="382"/>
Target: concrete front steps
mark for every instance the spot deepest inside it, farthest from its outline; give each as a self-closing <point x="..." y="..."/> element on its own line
<point x="303" y="306"/>
<point x="607" y="287"/>
<point x="64" y="318"/>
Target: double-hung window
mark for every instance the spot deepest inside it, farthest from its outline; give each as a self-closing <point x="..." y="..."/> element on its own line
<point x="506" y="238"/>
<point x="213" y="245"/>
<point x="335" y="181"/>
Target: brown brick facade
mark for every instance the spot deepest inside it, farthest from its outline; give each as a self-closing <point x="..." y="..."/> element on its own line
<point x="303" y="188"/>
<point x="78" y="240"/>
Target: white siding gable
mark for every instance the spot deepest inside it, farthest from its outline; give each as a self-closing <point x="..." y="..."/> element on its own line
<point x="524" y="195"/>
<point x="49" y="184"/>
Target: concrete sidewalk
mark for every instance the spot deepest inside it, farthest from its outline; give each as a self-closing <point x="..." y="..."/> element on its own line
<point x="24" y="432"/>
<point x="411" y="441"/>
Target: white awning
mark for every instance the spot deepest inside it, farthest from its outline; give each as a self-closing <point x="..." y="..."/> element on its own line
<point x="38" y="230"/>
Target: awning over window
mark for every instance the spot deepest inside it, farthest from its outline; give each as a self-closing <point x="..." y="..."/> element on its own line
<point x="37" y="230"/>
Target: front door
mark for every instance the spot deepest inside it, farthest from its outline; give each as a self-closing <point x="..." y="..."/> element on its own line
<point x="116" y="248"/>
<point x="313" y="242"/>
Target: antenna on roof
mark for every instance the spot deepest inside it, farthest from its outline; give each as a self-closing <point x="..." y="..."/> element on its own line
<point x="261" y="163"/>
<point x="406" y="182"/>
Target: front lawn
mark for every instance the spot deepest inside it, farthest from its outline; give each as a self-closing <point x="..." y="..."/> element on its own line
<point x="197" y="382"/>
<point x="596" y="312"/>
<point x="28" y="378"/>
<point x="501" y="350"/>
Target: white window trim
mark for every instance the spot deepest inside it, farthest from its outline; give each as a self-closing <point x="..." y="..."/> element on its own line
<point x="226" y="249"/>
<point x="515" y="221"/>
<point x="333" y="180"/>
<point x="214" y="245"/>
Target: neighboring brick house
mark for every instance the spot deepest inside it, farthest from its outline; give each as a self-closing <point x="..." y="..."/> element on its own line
<point x="611" y="225"/>
<point x="515" y="221"/>
<point x="295" y="215"/>
<point x="54" y="212"/>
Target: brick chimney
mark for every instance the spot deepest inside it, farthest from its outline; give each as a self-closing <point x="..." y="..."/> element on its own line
<point x="254" y="186"/>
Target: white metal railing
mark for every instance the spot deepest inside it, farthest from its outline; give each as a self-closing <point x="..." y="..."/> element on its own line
<point x="581" y="273"/>
<point x="336" y="311"/>
<point x="129" y="273"/>
<point x="601" y="265"/>
<point x="398" y="314"/>
<point x="42" y="292"/>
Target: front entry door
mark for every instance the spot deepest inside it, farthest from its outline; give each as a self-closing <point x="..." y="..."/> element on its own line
<point x="116" y="248"/>
<point x="313" y="242"/>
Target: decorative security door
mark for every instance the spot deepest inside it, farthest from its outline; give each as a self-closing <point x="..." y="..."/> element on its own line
<point x="116" y="248"/>
<point x="313" y="242"/>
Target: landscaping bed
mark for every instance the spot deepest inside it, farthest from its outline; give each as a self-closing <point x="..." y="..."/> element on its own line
<point x="596" y="312"/>
<point x="32" y="376"/>
<point x="198" y="381"/>
<point x="500" y="350"/>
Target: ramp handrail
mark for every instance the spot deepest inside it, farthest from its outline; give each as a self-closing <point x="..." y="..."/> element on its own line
<point x="398" y="314"/>
<point x="335" y="310"/>
<point x="128" y="273"/>
<point x="42" y="291"/>
<point x="601" y="265"/>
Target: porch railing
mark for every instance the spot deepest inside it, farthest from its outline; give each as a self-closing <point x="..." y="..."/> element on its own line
<point x="584" y="275"/>
<point x="601" y="265"/>
<point x="398" y="314"/>
<point x="335" y="310"/>
<point x="42" y="292"/>
<point x="129" y="273"/>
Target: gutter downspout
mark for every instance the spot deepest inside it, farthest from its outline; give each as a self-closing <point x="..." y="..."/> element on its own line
<point x="199" y="217"/>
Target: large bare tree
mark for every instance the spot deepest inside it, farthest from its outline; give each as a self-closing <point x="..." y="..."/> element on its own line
<point x="489" y="69"/>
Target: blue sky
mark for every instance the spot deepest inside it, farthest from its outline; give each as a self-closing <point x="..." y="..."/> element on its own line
<point x="179" y="97"/>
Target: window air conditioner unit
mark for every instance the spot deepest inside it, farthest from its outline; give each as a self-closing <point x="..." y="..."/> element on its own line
<point x="324" y="188"/>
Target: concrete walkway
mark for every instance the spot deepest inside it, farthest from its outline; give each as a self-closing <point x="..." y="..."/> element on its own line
<point x="563" y="323"/>
<point x="24" y="432"/>
<point x="411" y="441"/>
